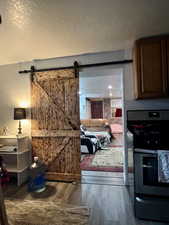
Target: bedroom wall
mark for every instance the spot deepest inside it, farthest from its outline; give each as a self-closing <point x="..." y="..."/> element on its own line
<point x="85" y="108"/>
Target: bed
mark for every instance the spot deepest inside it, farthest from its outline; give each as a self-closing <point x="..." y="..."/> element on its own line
<point x="103" y="136"/>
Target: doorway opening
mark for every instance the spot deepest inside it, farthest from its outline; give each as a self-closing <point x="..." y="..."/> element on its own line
<point x="101" y="116"/>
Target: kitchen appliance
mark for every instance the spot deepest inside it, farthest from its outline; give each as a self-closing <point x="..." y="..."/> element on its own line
<point x="150" y="133"/>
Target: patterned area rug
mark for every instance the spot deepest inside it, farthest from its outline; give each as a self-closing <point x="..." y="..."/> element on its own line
<point x="32" y="212"/>
<point x="109" y="159"/>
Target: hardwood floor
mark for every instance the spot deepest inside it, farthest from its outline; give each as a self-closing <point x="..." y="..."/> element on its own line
<point x="105" y="178"/>
<point x="109" y="204"/>
<point x="102" y="173"/>
<point x="102" y="178"/>
<point x="116" y="181"/>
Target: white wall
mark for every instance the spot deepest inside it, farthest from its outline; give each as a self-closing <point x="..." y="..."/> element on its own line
<point x="14" y="92"/>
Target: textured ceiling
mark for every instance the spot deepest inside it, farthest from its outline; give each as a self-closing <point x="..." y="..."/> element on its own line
<point x="33" y="29"/>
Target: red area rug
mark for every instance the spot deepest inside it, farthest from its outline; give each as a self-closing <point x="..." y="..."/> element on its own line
<point x="86" y="164"/>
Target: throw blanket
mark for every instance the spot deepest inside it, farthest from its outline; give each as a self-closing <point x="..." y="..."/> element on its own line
<point x="163" y="166"/>
<point x="99" y="134"/>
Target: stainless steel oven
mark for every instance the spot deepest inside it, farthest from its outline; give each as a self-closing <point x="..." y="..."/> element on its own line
<point x="146" y="170"/>
<point x="150" y="133"/>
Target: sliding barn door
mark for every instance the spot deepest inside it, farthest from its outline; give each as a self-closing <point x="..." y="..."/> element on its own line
<point x="56" y="123"/>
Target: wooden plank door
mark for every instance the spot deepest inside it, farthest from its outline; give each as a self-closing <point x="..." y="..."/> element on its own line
<point x="96" y="109"/>
<point x="56" y="123"/>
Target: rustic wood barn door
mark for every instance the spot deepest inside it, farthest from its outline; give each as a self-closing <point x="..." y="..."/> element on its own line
<point x="56" y="122"/>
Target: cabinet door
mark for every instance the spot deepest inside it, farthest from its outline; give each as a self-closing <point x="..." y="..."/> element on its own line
<point x="151" y="68"/>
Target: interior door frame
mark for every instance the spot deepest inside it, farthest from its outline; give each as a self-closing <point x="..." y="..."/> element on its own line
<point x="98" y="58"/>
<point x="124" y="119"/>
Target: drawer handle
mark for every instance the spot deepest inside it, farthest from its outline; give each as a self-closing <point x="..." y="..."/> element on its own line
<point x="147" y="166"/>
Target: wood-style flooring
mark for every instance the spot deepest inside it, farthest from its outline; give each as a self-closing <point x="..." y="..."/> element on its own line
<point x="109" y="204"/>
<point x="102" y="178"/>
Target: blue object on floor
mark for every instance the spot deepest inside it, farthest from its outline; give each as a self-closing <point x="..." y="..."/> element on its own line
<point x="37" y="176"/>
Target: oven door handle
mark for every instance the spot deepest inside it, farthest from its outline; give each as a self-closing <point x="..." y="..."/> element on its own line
<point x="147" y="166"/>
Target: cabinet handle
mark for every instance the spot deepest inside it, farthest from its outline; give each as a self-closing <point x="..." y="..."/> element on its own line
<point x="147" y="166"/>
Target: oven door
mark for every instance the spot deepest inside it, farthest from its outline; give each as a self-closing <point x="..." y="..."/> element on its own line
<point x="146" y="174"/>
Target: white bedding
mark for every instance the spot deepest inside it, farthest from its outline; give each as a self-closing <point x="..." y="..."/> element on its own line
<point x="104" y="134"/>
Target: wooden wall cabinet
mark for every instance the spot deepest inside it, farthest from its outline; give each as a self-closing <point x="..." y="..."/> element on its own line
<point x="151" y="67"/>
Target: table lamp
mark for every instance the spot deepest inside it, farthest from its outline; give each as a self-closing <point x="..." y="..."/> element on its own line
<point x="19" y="114"/>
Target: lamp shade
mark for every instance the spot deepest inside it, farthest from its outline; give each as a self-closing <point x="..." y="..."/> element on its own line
<point x="19" y="113"/>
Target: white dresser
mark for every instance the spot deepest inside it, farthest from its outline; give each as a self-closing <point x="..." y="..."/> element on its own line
<point x="16" y="153"/>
